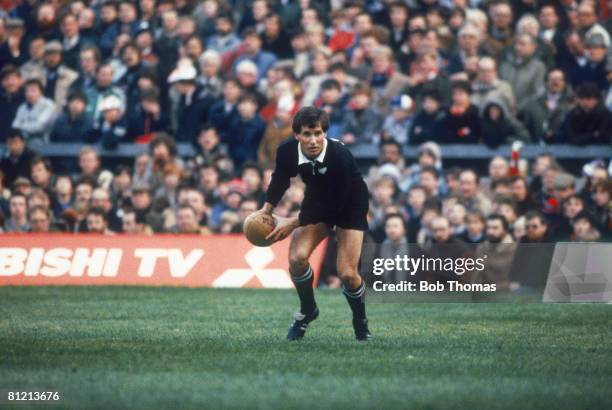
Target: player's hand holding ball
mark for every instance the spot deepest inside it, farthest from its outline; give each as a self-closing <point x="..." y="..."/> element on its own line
<point x="284" y="227"/>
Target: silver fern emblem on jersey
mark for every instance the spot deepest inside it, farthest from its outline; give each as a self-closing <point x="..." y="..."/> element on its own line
<point x="323" y="170"/>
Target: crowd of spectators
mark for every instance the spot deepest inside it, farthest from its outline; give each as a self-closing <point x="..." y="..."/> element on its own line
<point x="226" y="77"/>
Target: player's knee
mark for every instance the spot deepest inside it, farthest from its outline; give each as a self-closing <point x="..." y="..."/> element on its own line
<point x="346" y="272"/>
<point x="298" y="258"/>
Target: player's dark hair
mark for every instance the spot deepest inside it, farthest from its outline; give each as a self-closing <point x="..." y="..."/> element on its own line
<point x="498" y="217"/>
<point x="310" y="117"/>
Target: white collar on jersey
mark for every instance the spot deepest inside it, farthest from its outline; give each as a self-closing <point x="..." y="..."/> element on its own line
<point x="303" y="159"/>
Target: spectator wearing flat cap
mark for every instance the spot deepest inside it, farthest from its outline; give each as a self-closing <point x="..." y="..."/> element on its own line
<point x="74" y="124"/>
<point x="589" y="122"/>
<point x="16" y="159"/>
<point x="595" y="70"/>
<point x="57" y="77"/>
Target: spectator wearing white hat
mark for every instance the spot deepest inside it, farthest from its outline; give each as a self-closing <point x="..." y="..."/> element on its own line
<point x="397" y="124"/>
<point x="191" y="109"/>
<point x="101" y="89"/>
<point x="111" y="128"/>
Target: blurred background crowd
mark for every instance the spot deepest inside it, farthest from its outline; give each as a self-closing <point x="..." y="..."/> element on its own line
<point x="225" y="78"/>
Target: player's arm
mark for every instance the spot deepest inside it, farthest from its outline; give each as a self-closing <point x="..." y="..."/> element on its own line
<point x="279" y="184"/>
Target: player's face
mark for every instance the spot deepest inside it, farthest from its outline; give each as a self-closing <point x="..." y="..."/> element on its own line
<point x="311" y="140"/>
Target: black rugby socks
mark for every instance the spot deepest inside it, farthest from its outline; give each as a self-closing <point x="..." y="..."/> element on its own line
<point x="303" y="285"/>
<point x="356" y="300"/>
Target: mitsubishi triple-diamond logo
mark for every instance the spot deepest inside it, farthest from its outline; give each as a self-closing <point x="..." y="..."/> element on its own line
<point x="257" y="259"/>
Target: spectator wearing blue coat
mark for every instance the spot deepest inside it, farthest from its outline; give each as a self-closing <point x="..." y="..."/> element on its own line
<point x="75" y="123"/>
<point x="245" y="131"/>
<point x="264" y="60"/>
<point x="222" y="111"/>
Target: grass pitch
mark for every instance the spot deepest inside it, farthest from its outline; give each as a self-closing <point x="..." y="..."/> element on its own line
<point x="115" y="347"/>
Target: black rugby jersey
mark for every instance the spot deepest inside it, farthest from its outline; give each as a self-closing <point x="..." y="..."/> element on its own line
<point x="328" y="182"/>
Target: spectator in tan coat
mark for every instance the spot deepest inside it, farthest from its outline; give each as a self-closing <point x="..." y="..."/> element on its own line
<point x="277" y="131"/>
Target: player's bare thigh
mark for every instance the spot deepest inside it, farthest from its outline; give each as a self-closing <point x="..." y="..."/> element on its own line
<point x="304" y="240"/>
<point x="349" y="252"/>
